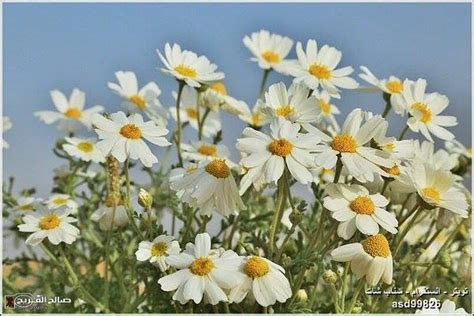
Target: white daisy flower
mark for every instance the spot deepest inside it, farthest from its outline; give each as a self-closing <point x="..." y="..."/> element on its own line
<point x="216" y="97"/>
<point x="27" y="203"/>
<point x="321" y="175"/>
<point x="448" y="307"/>
<point x="270" y="50"/>
<point x="265" y="156"/>
<point x="440" y="159"/>
<point x="84" y="149"/>
<point x="438" y="188"/>
<point x="143" y="100"/>
<point x="392" y="86"/>
<point x="370" y="258"/>
<point x="7" y="124"/>
<point x="104" y="216"/>
<point x="400" y="150"/>
<point x="71" y="113"/>
<point x="326" y="110"/>
<point x="198" y="151"/>
<point x="202" y="273"/>
<point x="355" y="208"/>
<point x="59" y="200"/>
<point x="456" y="147"/>
<point x="158" y="250"/>
<point x="360" y="161"/>
<point x="188" y="113"/>
<point x="256" y="117"/>
<point x="264" y="279"/>
<point x="293" y="105"/>
<point x="211" y="187"/>
<point x="123" y="137"/>
<point x="317" y="68"/>
<point x="188" y="67"/>
<point x="52" y="224"/>
<point x="424" y="109"/>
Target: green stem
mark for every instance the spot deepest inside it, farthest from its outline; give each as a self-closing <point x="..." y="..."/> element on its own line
<point x="344" y="286"/>
<point x="385" y="185"/>
<point x="279" y="206"/>
<point x="77" y="284"/>
<point x="226" y="308"/>
<point x="444" y="246"/>
<point x="198" y="112"/>
<point x="266" y="72"/>
<point x="405" y="231"/>
<point x="107" y="255"/>
<point x="338" y="170"/>
<point x="356" y="295"/>
<point x="387" y="108"/>
<point x="201" y="123"/>
<point x="178" y="122"/>
<point x="128" y="202"/>
<point x="402" y="134"/>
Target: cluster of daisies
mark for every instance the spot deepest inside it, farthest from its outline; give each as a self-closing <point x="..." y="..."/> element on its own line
<point x="292" y="137"/>
<point x="214" y="275"/>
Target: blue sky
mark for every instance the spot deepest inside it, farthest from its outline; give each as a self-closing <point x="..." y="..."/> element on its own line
<point x="62" y="46"/>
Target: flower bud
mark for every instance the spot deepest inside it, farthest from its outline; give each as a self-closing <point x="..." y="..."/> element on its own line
<point x="301" y="295"/>
<point x="357" y="309"/>
<point x="330" y="277"/>
<point x="144" y="198"/>
<point x="296" y="217"/>
<point x="445" y="260"/>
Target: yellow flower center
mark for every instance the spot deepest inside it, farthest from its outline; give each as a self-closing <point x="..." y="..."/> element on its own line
<point x="191" y="168"/>
<point x="131" y="131"/>
<point x="207" y="150"/>
<point x="271" y="57"/>
<point x="255" y="120"/>
<point x="394" y="171"/>
<point x="325" y="107"/>
<point x="431" y="193"/>
<point x="394" y="86"/>
<point x="424" y="110"/>
<point x="219" y="87"/>
<point x="186" y="71"/>
<point x="284" y="110"/>
<point x="191" y="112"/>
<point x="218" y="168"/>
<point x="59" y="201"/>
<point x="73" y="112"/>
<point x="256" y="267"/>
<point x="363" y="205"/>
<point x="159" y="249"/>
<point x="389" y="146"/>
<point x="85" y="147"/>
<point x="202" y="266"/>
<point x="26" y="207"/>
<point x="320" y="71"/>
<point x="50" y="221"/>
<point x="376" y="246"/>
<point x="280" y="147"/>
<point x="344" y="143"/>
<point x="138" y="101"/>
